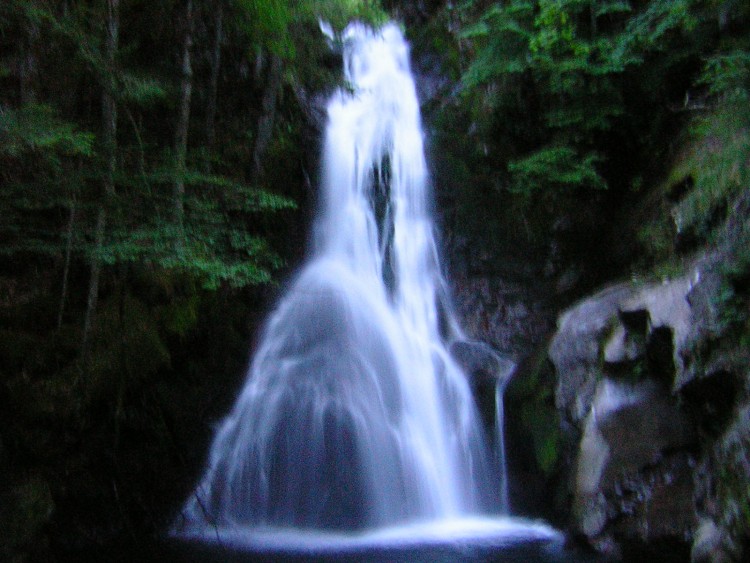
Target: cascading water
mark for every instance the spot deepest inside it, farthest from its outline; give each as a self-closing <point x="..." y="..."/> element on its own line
<point x="354" y="416"/>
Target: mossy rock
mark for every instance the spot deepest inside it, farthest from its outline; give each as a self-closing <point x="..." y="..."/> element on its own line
<point x="733" y="479"/>
<point x="531" y="391"/>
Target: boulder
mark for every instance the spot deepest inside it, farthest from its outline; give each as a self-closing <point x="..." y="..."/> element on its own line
<point x="622" y="324"/>
<point x="623" y="470"/>
<point x="710" y="544"/>
<point x="575" y="349"/>
<point x="617" y="357"/>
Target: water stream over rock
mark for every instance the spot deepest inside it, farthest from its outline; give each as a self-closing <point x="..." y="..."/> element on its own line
<point x="355" y="417"/>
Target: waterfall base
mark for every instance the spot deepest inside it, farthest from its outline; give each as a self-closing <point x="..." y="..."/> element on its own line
<point x="465" y="540"/>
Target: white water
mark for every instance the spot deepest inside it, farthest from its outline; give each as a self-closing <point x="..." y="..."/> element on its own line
<point x="354" y="416"/>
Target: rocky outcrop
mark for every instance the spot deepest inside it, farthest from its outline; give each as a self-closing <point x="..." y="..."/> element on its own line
<point x="481" y="363"/>
<point x="615" y="354"/>
<point x="656" y="390"/>
<point x="625" y="327"/>
<point x="625" y="470"/>
<point x="503" y="313"/>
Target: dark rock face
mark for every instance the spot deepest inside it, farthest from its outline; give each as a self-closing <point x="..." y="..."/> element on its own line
<point x="503" y="313"/>
<point x="481" y="363"/>
<point x="626" y="474"/>
<point x="658" y="396"/>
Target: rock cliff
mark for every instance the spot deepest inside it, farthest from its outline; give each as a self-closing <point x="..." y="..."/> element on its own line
<point x="653" y="379"/>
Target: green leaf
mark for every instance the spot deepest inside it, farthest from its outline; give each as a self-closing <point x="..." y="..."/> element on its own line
<point x="555" y="167"/>
<point x="37" y="128"/>
<point x="727" y="75"/>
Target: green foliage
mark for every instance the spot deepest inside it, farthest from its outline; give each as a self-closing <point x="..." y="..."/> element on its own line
<point x="559" y="66"/>
<point x="651" y="29"/>
<point x="554" y="167"/>
<point x="37" y="128"/>
<point x="719" y="166"/>
<point x="214" y="243"/>
<point x="176" y="299"/>
<point x="266" y="23"/>
<point x="502" y="36"/>
<point x="39" y="157"/>
<point x="727" y="76"/>
<point x="338" y="13"/>
<point x="141" y="90"/>
<point x="275" y="24"/>
<point x="711" y="169"/>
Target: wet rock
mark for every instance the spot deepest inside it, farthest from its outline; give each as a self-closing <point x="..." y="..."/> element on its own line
<point x="486" y="370"/>
<point x="481" y="363"/>
<point x="623" y="471"/>
<point x="503" y="313"/>
<point x="576" y="349"/>
<point x="710" y="544"/>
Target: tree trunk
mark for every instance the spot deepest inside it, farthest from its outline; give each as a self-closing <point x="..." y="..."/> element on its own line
<point x="214" y="79"/>
<point x="592" y="13"/>
<point x="268" y="114"/>
<point x="183" y="120"/>
<point x="109" y="146"/>
<point x="93" y="296"/>
<point x="66" y="267"/>
<point x="28" y="64"/>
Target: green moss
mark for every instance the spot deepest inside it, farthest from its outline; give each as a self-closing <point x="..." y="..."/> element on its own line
<point x="532" y="389"/>
<point x="718" y="163"/>
<point x="544" y="425"/>
<point x="529" y="382"/>
<point x="657" y="238"/>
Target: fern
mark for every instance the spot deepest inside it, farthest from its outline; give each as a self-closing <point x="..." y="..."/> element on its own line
<point x="555" y="167"/>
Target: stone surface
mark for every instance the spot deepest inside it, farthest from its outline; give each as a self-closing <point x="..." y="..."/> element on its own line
<point x="487" y="371"/>
<point x="594" y="332"/>
<point x="627" y="432"/>
<point x="576" y="349"/>
<point x="481" y="363"/>
<point x="709" y="545"/>
<point x="503" y="313"/>
<point x="617" y="356"/>
<point x="619" y="348"/>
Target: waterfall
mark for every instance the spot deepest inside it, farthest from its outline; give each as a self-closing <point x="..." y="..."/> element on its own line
<point x="500" y="444"/>
<point x="354" y="415"/>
